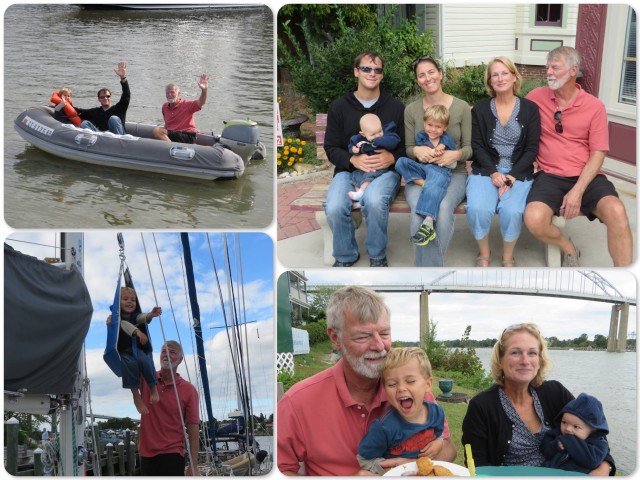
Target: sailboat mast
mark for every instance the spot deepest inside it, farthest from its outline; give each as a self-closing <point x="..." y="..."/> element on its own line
<point x="72" y="414"/>
<point x="197" y="328"/>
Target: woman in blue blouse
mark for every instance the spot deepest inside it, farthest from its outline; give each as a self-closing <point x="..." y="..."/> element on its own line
<point x="505" y="136"/>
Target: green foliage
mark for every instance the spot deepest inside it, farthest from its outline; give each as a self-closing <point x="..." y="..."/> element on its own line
<point x="462" y="364"/>
<point x="322" y="70"/>
<point x="436" y="351"/>
<point x="466" y="83"/>
<point x="317" y="332"/>
<point x="318" y="301"/>
<point x="529" y="84"/>
<point x="319" y="19"/>
<point x="287" y="380"/>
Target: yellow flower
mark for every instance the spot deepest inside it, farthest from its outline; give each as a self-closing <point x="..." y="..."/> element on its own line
<point x="300" y="159"/>
<point x="279" y="155"/>
<point x="303" y="142"/>
<point x="289" y="140"/>
<point x="279" y="162"/>
<point x="294" y="150"/>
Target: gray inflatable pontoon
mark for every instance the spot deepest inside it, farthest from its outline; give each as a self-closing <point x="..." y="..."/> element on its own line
<point x="212" y="156"/>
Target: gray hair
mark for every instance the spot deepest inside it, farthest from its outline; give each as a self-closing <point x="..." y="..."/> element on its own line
<point x="569" y="54"/>
<point x="363" y="302"/>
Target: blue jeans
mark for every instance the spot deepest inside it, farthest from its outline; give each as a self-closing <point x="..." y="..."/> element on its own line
<point x="132" y="368"/>
<point x="358" y="177"/>
<point x="483" y="202"/>
<point x="375" y="206"/>
<point x="436" y="180"/>
<point x="432" y="254"/>
<point x="114" y="123"/>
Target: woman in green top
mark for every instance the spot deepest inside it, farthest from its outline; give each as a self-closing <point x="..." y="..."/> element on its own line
<point x="429" y="78"/>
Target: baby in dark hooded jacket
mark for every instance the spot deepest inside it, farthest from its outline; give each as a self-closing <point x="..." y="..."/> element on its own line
<point x="578" y="442"/>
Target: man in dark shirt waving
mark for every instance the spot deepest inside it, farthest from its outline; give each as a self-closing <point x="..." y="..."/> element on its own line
<point x="106" y="117"/>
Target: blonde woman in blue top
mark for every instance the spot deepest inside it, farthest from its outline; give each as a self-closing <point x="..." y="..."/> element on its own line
<point x="505" y="135"/>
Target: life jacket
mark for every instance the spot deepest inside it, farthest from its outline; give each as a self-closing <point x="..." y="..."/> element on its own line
<point x="68" y="109"/>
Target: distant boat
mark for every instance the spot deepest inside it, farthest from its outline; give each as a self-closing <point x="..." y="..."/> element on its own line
<point x="164" y="6"/>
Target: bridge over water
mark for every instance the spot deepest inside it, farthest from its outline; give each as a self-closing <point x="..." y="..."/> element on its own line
<point x="573" y="284"/>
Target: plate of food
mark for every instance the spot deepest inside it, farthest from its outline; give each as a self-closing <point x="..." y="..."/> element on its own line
<point x="426" y="467"/>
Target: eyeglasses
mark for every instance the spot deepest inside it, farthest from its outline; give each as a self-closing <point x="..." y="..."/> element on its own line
<point x="102" y="97"/>
<point x="376" y="70"/>
<point x="558" y="118"/>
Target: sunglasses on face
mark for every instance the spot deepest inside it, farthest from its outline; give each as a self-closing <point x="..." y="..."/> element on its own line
<point x="558" y="118"/>
<point x="376" y="70"/>
<point x="102" y="97"/>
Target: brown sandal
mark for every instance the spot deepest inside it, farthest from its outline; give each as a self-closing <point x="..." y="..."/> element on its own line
<point x="509" y="263"/>
<point x="480" y="259"/>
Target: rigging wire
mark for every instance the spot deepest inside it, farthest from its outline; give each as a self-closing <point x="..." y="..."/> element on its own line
<point x="204" y="432"/>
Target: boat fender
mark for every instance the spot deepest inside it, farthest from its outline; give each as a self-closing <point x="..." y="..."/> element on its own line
<point x="68" y="109"/>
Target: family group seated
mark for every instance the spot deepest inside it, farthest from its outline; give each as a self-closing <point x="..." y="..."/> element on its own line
<point x="531" y="158"/>
<point x="374" y="409"/>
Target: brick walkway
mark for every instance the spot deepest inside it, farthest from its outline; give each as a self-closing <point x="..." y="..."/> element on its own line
<point x="292" y="222"/>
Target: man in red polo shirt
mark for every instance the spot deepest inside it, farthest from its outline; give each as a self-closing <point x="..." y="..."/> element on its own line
<point x="322" y="419"/>
<point x="574" y="140"/>
<point x="179" y="124"/>
<point x="162" y="435"/>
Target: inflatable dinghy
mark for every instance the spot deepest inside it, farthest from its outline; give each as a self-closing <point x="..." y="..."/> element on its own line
<point x="212" y="156"/>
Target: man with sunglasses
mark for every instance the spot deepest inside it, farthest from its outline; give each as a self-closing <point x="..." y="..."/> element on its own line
<point x="106" y="117"/>
<point x="343" y="122"/>
<point x="574" y="140"/>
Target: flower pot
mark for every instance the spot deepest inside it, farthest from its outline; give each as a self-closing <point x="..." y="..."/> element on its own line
<point x="446" y="385"/>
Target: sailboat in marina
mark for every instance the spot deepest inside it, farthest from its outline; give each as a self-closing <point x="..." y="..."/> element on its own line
<point x="231" y="449"/>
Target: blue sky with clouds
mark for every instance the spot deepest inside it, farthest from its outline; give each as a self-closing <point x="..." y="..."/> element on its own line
<point x="156" y="265"/>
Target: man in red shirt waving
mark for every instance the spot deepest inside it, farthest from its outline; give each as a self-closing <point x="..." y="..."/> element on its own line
<point x="179" y="125"/>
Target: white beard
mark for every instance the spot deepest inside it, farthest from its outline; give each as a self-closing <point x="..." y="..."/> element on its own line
<point x="558" y="83"/>
<point x="360" y="365"/>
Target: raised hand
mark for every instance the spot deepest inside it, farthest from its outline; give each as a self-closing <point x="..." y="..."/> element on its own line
<point x="203" y="82"/>
<point x="121" y="70"/>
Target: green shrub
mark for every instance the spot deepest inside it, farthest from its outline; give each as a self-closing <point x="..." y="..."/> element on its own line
<point x="317" y="332"/>
<point x="529" y="84"/>
<point x="323" y="70"/>
<point x="466" y="83"/>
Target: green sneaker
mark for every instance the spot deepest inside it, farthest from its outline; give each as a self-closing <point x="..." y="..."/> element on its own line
<point x="424" y="235"/>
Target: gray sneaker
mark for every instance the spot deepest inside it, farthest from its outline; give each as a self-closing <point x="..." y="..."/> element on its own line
<point x="571" y="260"/>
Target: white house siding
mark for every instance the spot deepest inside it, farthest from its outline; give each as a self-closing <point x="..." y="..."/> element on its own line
<point x="474" y="34"/>
<point x="529" y="35"/>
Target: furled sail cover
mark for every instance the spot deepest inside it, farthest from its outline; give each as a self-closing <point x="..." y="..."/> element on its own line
<point x="47" y="312"/>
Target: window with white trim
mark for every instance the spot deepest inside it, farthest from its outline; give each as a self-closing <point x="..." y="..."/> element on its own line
<point x="628" y="80"/>
<point x="548" y="15"/>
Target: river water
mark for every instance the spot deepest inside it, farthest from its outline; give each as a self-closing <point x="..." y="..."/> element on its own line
<point x="50" y="46"/>
<point x="612" y="378"/>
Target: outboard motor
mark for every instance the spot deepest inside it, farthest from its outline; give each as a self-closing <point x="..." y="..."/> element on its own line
<point x="241" y="136"/>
